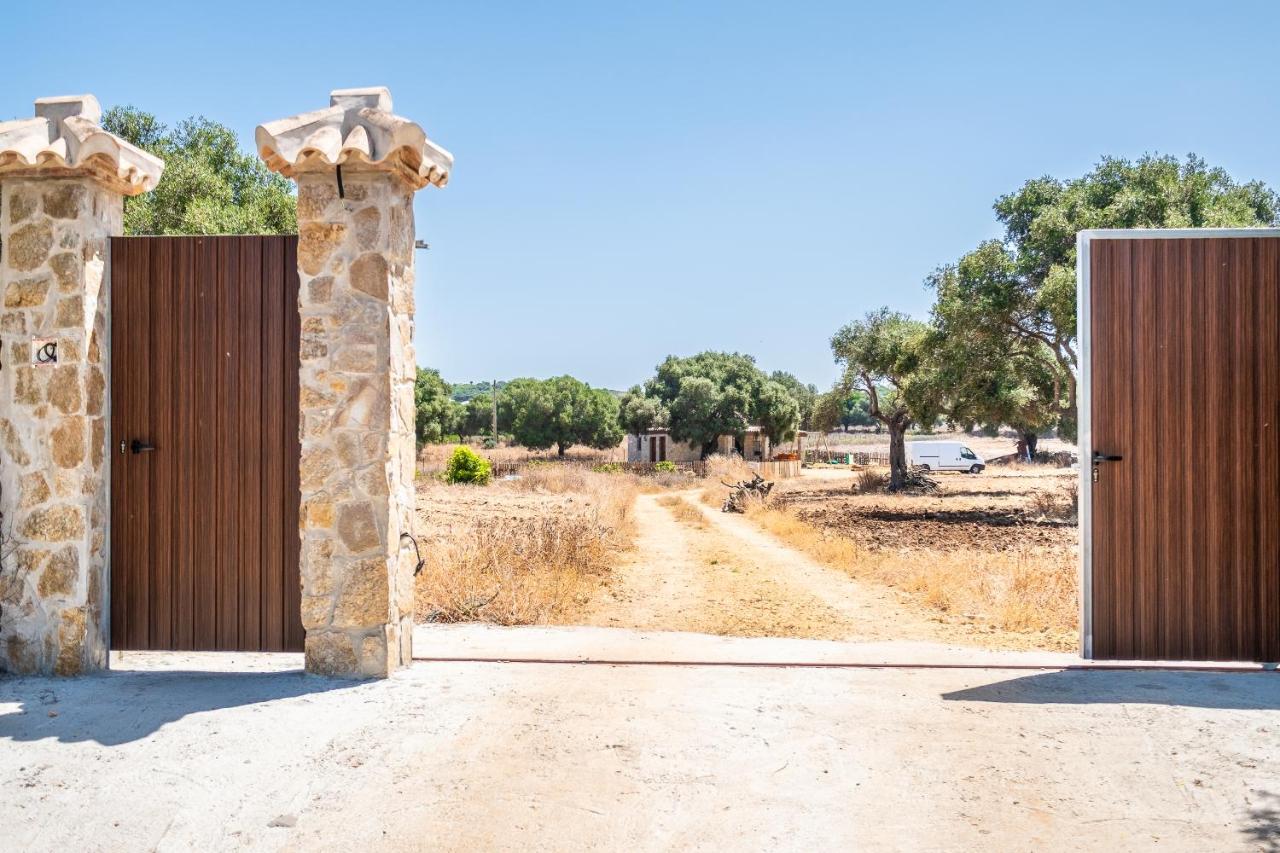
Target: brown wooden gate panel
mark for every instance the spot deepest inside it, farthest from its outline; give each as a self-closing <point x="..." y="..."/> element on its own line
<point x="1185" y="375"/>
<point x="204" y="528"/>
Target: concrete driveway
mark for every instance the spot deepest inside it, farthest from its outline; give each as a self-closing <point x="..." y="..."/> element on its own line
<point x="214" y="752"/>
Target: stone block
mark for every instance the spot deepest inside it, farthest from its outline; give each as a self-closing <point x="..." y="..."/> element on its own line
<point x="27" y="292"/>
<point x="364" y="600"/>
<point x="64" y="388"/>
<point x="330" y="653"/>
<point x="60" y="575"/>
<point x="28" y="246"/>
<point x="369" y="275"/>
<point x="65" y="201"/>
<point x="22" y="203"/>
<point x="357" y="527"/>
<point x="34" y="490"/>
<point x="60" y="523"/>
<point x="67" y="444"/>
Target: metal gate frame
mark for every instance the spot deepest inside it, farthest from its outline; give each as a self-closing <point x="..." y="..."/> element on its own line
<point x="1084" y="334"/>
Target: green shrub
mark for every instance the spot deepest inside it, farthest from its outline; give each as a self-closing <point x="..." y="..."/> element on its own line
<point x="665" y="467"/>
<point x="465" y="466"/>
<point x="608" y="468"/>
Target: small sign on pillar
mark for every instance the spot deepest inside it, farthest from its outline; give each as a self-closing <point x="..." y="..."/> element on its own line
<point x="44" y="351"/>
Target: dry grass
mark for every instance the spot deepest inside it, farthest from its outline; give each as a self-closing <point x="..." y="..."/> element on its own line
<point x="872" y="480"/>
<point x="683" y="510"/>
<point x="1061" y="501"/>
<point x="433" y="457"/>
<point x="1025" y="590"/>
<point x="723" y="469"/>
<point x="522" y="551"/>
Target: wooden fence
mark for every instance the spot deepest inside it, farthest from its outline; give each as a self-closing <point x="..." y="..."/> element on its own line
<point x="506" y="468"/>
<point x="847" y="457"/>
<point x="777" y="469"/>
<point x="772" y="469"/>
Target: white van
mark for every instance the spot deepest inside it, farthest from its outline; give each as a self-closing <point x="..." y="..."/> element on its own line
<point x="944" y="456"/>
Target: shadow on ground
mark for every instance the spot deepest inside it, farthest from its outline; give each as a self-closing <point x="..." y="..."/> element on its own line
<point x="1263" y="825"/>
<point x="1236" y="691"/>
<point x="121" y="707"/>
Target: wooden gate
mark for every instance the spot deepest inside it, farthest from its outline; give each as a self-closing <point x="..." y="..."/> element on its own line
<point x="204" y="427"/>
<point x="1180" y="333"/>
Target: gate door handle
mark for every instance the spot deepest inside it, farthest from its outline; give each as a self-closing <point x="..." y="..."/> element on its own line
<point x="1099" y="458"/>
<point x="141" y="447"/>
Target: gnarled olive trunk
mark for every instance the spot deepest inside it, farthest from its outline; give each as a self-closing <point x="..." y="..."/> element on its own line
<point x="897" y="454"/>
<point x="1030" y="439"/>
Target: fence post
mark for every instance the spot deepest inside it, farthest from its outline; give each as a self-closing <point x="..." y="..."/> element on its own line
<point x="63" y="180"/>
<point x="357" y="166"/>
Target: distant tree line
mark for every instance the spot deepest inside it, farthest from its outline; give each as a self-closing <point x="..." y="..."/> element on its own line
<point x="702" y="397"/>
<point x="1000" y="344"/>
<point x="540" y="414"/>
<point x="698" y="399"/>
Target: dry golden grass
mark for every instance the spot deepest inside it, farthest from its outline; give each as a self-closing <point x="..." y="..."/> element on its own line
<point x="1026" y="591"/>
<point x="433" y="457"/>
<point x="723" y="469"/>
<point x="872" y="480"/>
<point x="683" y="510"/>
<point x="522" y="551"/>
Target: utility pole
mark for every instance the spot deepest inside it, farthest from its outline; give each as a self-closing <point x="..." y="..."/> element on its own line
<point x="494" y="387"/>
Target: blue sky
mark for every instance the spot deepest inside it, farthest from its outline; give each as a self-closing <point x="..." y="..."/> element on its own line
<point x="636" y="180"/>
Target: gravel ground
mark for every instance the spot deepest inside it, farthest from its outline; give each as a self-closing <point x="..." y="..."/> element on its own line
<point x="218" y="752"/>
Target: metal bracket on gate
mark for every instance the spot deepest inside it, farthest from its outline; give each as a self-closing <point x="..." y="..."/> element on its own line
<point x="416" y="550"/>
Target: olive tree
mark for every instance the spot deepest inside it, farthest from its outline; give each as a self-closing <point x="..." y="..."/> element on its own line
<point x="1015" y="297"/>
<point x="884" y="356"/>
<point x="562" y="412"/>
<point x="716" y="393"/>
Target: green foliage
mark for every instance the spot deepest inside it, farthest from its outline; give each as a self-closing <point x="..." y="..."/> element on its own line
<point x="1007" y="310"/>
<point x="855" y="410"/>
<point x="608" y="468"/>
<point x="561" y="412"/>
<point x="436" y="415"/>
<point x="666" y="466"/>
<point x="841" y="407"/>
<point x="638" y="414"/>
<point x="465" y="466"/>
<point x="826" y="411"/>
<point x="884" y="356"/>
<point x="806" y="396"/>
<point x="465" y="391"/>
<point x="716" y="393"/>
<point x="477" y="417"/>
<point x="209" y="185"/>
<point x="777" y="412"/>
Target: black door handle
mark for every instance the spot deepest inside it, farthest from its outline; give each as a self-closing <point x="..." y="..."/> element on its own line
<point x="141" y="447"/>
<point x="1106" y="457"/>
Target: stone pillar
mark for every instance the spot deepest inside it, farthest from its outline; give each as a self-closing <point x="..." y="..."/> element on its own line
<point x="357" y="167"/>
<point x="62" y="187"/>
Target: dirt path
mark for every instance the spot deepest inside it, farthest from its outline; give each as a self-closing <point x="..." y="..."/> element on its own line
<point x="731" y="578"/>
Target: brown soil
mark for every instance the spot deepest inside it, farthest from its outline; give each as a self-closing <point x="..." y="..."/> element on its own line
<point x="726" y="576"/>
<point x="986" y="513"/>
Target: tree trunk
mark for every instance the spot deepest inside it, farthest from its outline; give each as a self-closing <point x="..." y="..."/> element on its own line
<point x="560" y="449"/>
<point x="1030" y="438"/>
<point x="897" y="455"/>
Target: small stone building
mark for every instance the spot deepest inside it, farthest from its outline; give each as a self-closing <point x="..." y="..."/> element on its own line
<point x="656" y="445"/>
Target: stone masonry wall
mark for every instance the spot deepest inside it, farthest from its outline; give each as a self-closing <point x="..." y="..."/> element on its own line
<point x="355" y="262"/>
<point x="54" y="419"/>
